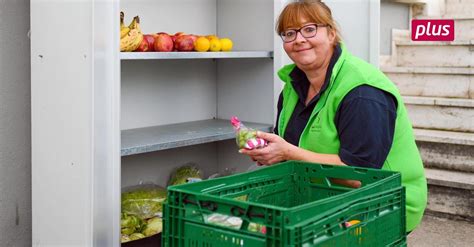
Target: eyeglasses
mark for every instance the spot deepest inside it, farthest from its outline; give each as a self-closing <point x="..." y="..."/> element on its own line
<point x="307" y="31"/>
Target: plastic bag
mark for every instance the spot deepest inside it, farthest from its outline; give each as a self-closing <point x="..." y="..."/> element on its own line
<point x="185" y="174"/>
<point x="225" y="172"/>
<point x="224" y="220"/>
<point x="255" y="166"/>
<point x="134" y="228"/>
<point x="144" y="200"/>
<point x="246" y="137"/>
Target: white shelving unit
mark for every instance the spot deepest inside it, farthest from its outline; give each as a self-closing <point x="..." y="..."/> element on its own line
<point x="114" y="119"/>
<point x="176" y="106"/>
<point x="103" y="120"/>
<point x="156" y="138"/>
<point x="194" y="55"/>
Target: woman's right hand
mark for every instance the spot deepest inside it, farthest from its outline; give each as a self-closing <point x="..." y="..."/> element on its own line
<point x="276" y="151"/>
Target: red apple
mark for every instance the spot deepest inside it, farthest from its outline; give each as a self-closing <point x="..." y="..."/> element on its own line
<point x="151" y="41"/>
<point x="176" y="35"/>
<point x="163" y="42"/>
<point x="194" y="37"/>
<point x="184" y="43"/>
<point x="143" y="46"/>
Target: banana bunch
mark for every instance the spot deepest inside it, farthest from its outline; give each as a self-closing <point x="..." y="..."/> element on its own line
<point x="131" y="36"/>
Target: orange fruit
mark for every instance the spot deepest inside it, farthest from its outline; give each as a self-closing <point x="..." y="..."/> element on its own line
<point x="202" y="44"/>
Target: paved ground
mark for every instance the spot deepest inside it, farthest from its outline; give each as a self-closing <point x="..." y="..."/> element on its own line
<point x="435" y="231"/>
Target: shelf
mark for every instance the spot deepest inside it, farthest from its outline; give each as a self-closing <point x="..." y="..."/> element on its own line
<point x="194" y="55"/>
<point x="150" y="139"/>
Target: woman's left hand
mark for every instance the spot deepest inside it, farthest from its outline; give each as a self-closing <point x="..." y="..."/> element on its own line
<point x="276" y="151"/>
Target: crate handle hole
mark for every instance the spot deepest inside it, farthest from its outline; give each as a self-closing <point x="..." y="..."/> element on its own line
<point x="348" y="183"/>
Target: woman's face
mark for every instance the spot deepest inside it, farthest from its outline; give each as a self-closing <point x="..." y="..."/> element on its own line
<point x="310" y="53"/>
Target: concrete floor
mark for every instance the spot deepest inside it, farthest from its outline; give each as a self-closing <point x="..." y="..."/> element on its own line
<point x="435" y="231"/>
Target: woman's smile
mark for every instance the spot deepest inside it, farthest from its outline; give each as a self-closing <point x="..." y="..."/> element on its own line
<point x="303" y="49"/>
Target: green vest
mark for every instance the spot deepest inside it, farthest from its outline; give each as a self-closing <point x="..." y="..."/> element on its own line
<point x="320" y="134"/>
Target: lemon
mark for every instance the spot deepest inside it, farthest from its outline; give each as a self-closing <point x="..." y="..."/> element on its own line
<point x="215" y="45"/>
<point x="209" y="37"/>
<point x="226" y="44"/>
<point x="202" y="44"/>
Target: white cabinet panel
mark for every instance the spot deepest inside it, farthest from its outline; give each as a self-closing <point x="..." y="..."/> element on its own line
<point x="61" y="96"/>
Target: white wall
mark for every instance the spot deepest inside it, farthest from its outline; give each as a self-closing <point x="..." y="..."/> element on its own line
<point x="15" y="138"/>
<point x="434" y="7"/>
<point x="392" y="16"/>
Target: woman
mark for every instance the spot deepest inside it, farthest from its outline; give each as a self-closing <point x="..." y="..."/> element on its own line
<point x="337" y="109"/>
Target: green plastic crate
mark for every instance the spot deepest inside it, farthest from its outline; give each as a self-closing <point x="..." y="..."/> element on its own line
<point x="297" y="203"/>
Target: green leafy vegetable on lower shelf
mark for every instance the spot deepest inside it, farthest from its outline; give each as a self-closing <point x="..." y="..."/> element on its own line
<point x="134" y="228"/>
<point x="136" y="236"/>
<point x="127" y="230"/>
<point x="125" y="238"/>
<point x="144" y="202"/>
<point x="184" y="173"/>
<point x="153" y="226"/>
<point x="130" y="224"/>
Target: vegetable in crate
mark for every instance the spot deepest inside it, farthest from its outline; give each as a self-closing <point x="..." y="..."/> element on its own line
<point x="246" y="137"/>
<point x="144" y="201"/>
<point x="224" y="220"/>
<point x="185" y="174"/>
<point x="254" y="227"/>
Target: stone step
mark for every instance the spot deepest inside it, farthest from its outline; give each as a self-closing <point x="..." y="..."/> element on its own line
<point x="434" y="54"/>
<point x="436" y="230"/>
<point x="450" y="192"/>
<point x="398" y="35"/>
<point x="433" y="81"/>
<point x="463" y="26"/>
<point x="459" y="7"/>
<point x="447" y="150"/>
<point x="401" y="35"/>
<point x="441" y="113"/>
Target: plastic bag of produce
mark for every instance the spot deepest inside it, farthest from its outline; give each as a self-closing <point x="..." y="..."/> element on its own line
<point x="246" y="137"/>
<point x="134" y="228"/>
<point x="153" y="226"/>
<point x="131" y="223"/>
<point x="224" y="220"/>
<point x="144" y="200"/>
<point x="188" y="173"/>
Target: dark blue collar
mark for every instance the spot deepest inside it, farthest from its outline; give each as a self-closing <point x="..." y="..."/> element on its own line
<point x="301" y="83"/>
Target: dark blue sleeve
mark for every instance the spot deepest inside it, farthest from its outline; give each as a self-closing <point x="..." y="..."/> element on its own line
<point x="279" y="107"/>
<point x="365" y="121"/>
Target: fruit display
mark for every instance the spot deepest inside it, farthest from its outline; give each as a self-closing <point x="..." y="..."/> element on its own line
<point x="163" y="42"/>
<point x="133" y="40"/>
<point x="130" y="37"/>
<point x="246" y="137"/>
